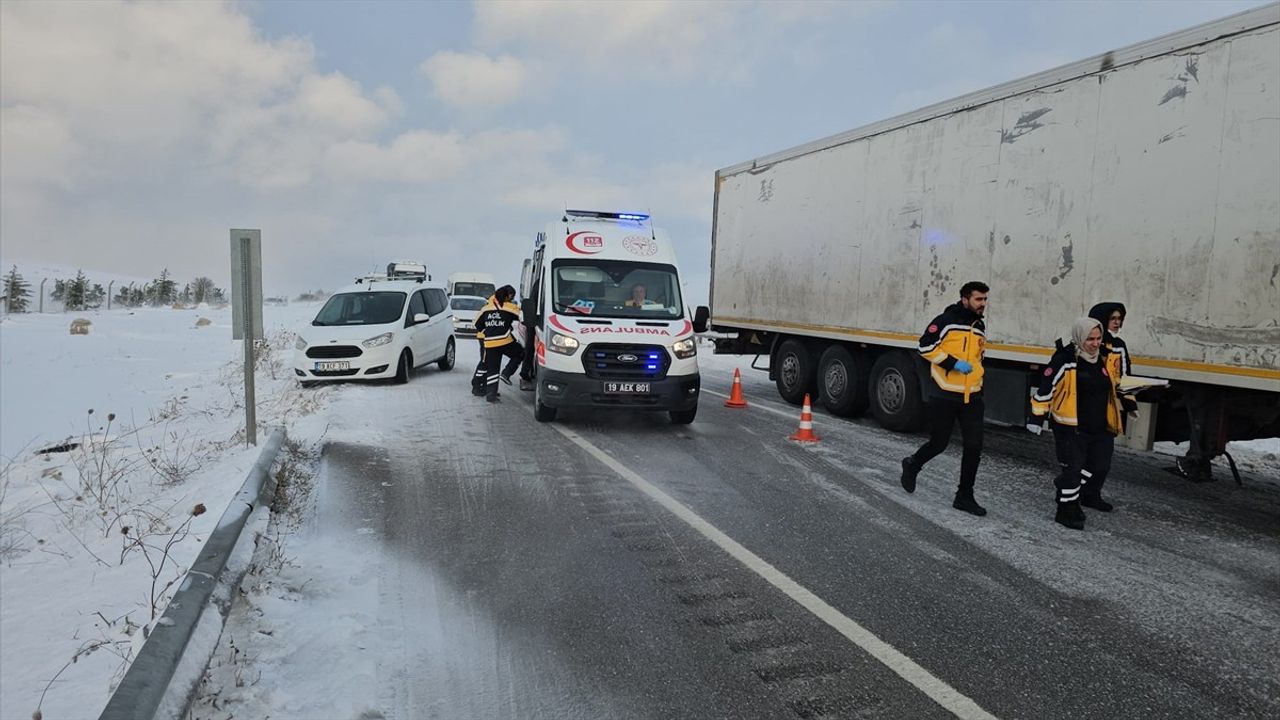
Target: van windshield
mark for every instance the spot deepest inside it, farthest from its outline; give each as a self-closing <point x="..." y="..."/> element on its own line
<point x="616" y="289"/>
<point x="478" y="289"/>
<point x="466" y="303"/>
<point x="363" y="308"/>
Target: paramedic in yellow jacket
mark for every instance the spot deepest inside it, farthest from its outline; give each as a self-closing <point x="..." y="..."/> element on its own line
<point x="1078" y="392"/>
<point x="495" y="320"/>
<point x="953" y="344"/>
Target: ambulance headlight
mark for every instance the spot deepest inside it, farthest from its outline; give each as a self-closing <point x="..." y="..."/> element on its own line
<point x="562" y="344"/>
<point x="685" y="349"/>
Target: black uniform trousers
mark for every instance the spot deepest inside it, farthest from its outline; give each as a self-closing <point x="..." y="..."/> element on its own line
<point x="1085" y="460"/>
<point x="493" y="362"/>
<point x="943" y="413"/>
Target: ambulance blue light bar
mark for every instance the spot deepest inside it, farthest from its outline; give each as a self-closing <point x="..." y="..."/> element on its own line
<point x="601" y="215"/>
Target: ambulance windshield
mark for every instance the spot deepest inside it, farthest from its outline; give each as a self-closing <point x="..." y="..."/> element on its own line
<point x="616" y="289"/>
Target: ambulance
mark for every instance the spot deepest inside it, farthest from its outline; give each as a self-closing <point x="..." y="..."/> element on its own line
<point x="601" y="298"/>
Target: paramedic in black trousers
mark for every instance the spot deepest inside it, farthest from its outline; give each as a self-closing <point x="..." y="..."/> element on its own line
<point x="953" y="344"/>
<point x="495" y="320"/>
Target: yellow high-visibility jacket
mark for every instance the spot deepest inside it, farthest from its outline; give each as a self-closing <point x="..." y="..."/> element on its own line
<point x="1056" y="396"/>
<point x="494" y="322"/>
<point x="957" y="334"/>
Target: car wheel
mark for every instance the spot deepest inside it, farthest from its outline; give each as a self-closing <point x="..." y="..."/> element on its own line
<point x="896" y="398"/>
<point x="842" y="381"/>
<point x="402" y="368"/>
<point x="446" y="362"/>
<point x="683" y="417"/>
<point x="795" y="371"/>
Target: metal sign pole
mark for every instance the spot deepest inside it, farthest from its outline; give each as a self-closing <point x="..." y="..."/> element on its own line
<point x="246" y="313"/>
<point x="246" y="299"/>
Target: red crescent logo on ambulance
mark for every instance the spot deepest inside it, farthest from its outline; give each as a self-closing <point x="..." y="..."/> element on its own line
<point x="687" y="327"/>
<point x="555" y="322"/>
<point x="585" y="243"/>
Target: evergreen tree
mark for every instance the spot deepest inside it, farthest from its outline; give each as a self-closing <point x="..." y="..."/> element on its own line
<point x="186" y="294"/>
<point x="217" y="296"/>
<point x="95" y="297"/>
<point x="59" y="290"/>
<point x="164" y="290"/>
<point x="17" y="290"/>
<point x="77" y="292"/>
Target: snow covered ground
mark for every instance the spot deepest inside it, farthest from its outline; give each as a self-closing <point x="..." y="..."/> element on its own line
<point x="152" y="400"/>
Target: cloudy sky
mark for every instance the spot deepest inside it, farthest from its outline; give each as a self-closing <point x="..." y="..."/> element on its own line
<point x="134" y="135"/>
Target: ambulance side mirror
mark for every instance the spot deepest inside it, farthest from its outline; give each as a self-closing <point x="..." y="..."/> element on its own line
<point x="700" y="318"/>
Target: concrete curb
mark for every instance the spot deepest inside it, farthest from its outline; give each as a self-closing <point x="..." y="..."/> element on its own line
<point x="162" y="679"/>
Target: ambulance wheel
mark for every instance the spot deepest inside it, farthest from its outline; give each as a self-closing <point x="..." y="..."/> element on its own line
<point x="796" y="371"/>
<point x="683" y="417"/>
<point x="402" y="368"/>
<point x="842" y="381"/>
<point x="541" y="412"/>
<point x="450" y="353"/>
<point x="896" y="398"/>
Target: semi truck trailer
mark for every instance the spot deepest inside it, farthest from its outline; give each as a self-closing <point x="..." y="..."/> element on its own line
<point x="1149" y="175"/>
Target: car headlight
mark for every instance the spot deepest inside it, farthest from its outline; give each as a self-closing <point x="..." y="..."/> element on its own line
<point x="300" y="344"/>
<point x="377" y="340"/>
<point x="562" y="344"/>
<point x="685" y="348"/>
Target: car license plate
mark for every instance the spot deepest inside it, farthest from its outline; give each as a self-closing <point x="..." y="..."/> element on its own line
<point x="326" y="366"/>
<point x="627" y="387"/>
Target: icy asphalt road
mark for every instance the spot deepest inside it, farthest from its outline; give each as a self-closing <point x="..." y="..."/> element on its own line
<point x="462" y="561"/>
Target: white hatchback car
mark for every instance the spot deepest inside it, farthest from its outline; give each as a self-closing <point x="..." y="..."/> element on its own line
<point x="376" y="329"/>
<point x="465" y="308"/>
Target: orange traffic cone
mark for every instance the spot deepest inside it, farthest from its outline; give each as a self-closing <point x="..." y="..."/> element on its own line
<point x="735" y="398"/>
<point x="805" y="433"/>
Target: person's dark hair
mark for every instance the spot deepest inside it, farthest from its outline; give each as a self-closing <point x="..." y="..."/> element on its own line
<point x="972" y="287"/>
<point x="506" y="293"/>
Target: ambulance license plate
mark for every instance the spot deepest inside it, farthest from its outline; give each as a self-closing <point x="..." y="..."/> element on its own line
<point x="628" y="388"/>
<point x="328" y="366"/>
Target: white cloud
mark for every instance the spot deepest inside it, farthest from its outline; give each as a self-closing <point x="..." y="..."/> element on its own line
<point x="658" y="40"/>
<point x="475" y="80"/>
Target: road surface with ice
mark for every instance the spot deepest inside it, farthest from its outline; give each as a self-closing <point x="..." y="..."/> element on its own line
<point x="460" y="560"/>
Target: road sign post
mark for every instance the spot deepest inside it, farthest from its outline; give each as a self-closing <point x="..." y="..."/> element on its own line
<point x="246" y="313"/>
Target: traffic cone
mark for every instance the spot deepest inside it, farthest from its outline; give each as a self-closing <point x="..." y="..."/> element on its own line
<point x="735" y="398"/>
<point x="805" y="433"/>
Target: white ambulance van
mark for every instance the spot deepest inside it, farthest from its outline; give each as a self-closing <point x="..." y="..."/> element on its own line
<point x="611" y="330"/>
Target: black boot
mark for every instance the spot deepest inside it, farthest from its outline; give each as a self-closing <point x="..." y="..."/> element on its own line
<point x="909" y="472"/>
<point x="1070" y="515"/>
<point x="964" y="501"/>
<point x="1096" y="502"/>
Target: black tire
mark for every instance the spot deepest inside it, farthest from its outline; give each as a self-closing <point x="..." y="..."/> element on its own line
<point x="842" y="381"/>
<point x="683" y="417"/>
<point x="796" y="372"/>
<point x="402" y="368"/>
<point x="897" y="400"/>
<point x="450" y="355"/>
<point x="542" y="413"/>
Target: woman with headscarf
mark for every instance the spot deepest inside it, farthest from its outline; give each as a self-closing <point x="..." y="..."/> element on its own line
<point x="1078" y="392"/>
<point x="1111" y="315"/>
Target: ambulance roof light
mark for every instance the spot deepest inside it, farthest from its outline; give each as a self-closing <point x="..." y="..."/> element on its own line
<point x="602" y="215"/>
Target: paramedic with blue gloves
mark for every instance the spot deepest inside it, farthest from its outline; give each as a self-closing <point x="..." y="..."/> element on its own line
<point x="953" y="344"/>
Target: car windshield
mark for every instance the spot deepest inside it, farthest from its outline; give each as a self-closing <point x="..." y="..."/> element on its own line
<point x="466" y="303"/>
<point x="479" y="289"/>
<point x="616" y="289"/>
<point x="363" y="308"/>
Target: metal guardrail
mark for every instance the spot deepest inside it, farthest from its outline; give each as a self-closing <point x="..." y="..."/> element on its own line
<point x="162" y="679"/>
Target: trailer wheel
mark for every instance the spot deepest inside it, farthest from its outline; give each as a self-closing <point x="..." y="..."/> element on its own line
<point x="796" y="371"/>
<point x="842" y="381"/>
<point x="897" y="400"/>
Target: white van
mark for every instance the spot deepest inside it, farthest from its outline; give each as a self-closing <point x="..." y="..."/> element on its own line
<point x="377" y="328"/>
<point x="610" y="326"/>
<point x="479" y="285"/>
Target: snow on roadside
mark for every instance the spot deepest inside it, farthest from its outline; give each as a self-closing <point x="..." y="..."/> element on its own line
<point x="153" y="405"/>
